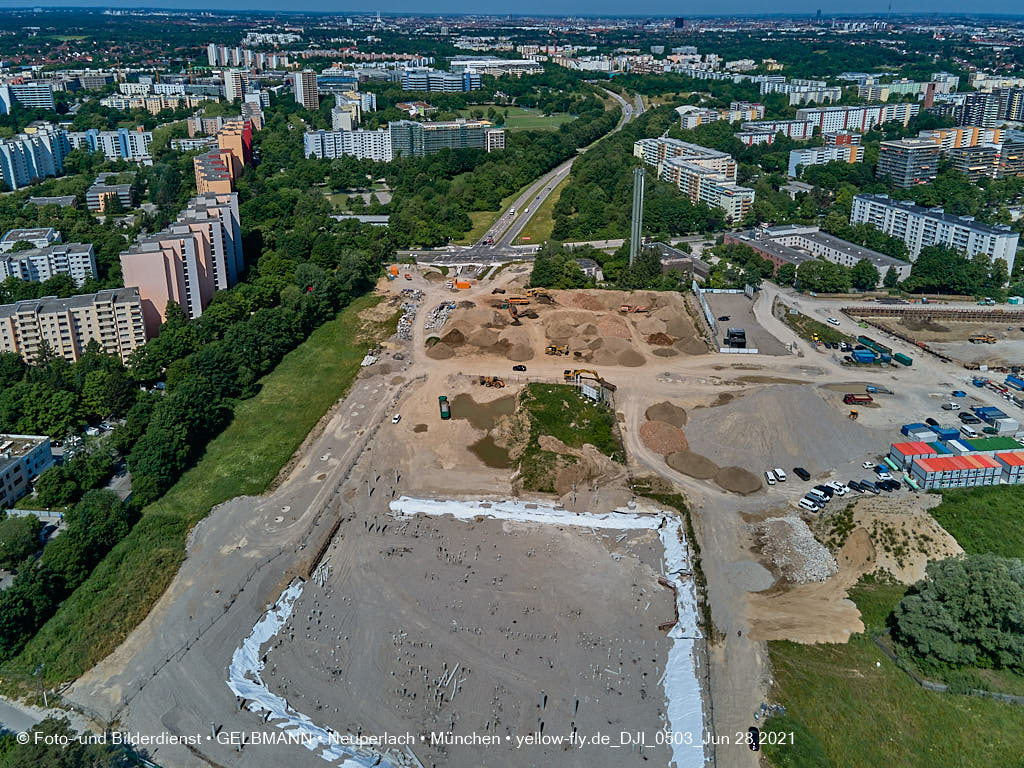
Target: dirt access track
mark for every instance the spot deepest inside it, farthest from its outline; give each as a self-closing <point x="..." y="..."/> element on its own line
<point x="168" y="677"/>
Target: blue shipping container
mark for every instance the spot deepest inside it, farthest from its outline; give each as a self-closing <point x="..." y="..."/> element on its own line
<point x="906" y="429"/>
<point x="1015" y="381"/>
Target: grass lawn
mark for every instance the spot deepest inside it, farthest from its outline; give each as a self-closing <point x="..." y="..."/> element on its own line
<point x="244" y="459"/>
<point x="538" y="229"/>
<point x="985" y="520"/>
<point x="484" y="220"/>
<point x="560" y="411"/>
<point x="847" y="711"/>
<point x="806" y="327"/>
<point x="523" y="119"/>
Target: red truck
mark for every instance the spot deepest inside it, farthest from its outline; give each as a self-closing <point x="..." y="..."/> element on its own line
<point x="851" y="399"/>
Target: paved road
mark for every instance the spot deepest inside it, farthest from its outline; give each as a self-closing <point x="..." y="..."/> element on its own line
<point x="15" y="719"/>
<point x="496" y="244"/>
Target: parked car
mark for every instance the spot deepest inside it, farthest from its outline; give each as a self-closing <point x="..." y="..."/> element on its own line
<point x="723" y="319"/>
<point x="755" y="739"/>
<point x="839" y="488"/>
<point x="869" y="486"/>
<point x="809" y="504"/>
<point x="959" y="393"/>
<point x="854" y="485"/>
<point x="931" y="422"/>
<point x="396" y="418"/>
<point x="968" y="418"/>
<point x="780" y="475"/>
<point x="769" y="477"/>
<point x="802" y="473"/>
<point x="868" y="465"/>
<point x="833" y="321"/>
<point x="47" y="532"/>
<point x="950" y="407"/>
<point x="518" y="367"/>
<point x="825" y="491"/>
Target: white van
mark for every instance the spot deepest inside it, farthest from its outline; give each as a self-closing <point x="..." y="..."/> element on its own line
<point x="769" y="477"/>
<point x="809" y="505"/>
<point x="968" y="431"/>
<point x="780" y="475"/>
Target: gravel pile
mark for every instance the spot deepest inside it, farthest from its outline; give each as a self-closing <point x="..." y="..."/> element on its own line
<point x="662" y="437"/>
<point x="410" y="305"/>
<point x="791" y="547"/>
<point x="439" y="315"/>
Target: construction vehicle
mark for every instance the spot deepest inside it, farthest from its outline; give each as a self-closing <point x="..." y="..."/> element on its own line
<point x="492" y="381"/>
<point x="851" y="399"/>
<point x="408" y="276"/>
<point x="987" y="302"/>
<point x="514" y="312"/>
<point x="982" y="338"/>
<point x="520" y="300"/>
<point x="497" y="290"/>
<point x="446" y="411"/>
<point x="573" y="375"/>
<point x="629" y="309"/>
<point x="553" y="349"/>
<point x="854" y="414"/>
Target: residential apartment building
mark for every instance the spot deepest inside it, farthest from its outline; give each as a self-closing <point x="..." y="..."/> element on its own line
<point x="802" y="91"/>
<point x="690" y="117"/>
<point x="432" y="80"/>
<point x="861" y="119"/>
<point x="156" y="103"/>
<point x="494" y="139"/>
<point x="121" y="144"/>
<point x="963" y="136"/>
<point x="365" y="145"/>
<point x="908" y="162"/>
<point x="38" y="237"/>
<point x="765" y="131"/>
<point x="236" y="83"/>
<point x="99" y="196"/>
<point x="76" y="260"/>
<point x="412" y="139"/>
<point x="22" y="459"/>
<point x="187" y="262"/>
<point x="304" y="89"/>
<point x="919" y="227"/>
<point x="214" y="172"/>
<point x="32" y="95"/>
<point x="33" y="155"/>
<point x="703" y="175"/>
<point x="843" y="153"/>
<point x="492" y="65"/>
<point x="113" y="318"/>
<point x="795" y="244"/>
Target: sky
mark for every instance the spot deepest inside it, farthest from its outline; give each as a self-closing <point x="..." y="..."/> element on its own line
<point x="659" y="8"/>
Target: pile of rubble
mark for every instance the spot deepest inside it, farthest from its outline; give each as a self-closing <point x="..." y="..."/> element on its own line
<point x="409" y="306"/>
<point x="439" y="315"/>
<point x="791" y="547"/>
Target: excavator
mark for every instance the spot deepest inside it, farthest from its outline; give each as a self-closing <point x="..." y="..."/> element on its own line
<point x="492" y="381"/>
<point x="553" y="349"/>
<point x="514" y="312"/>
<point x="569" y="375"/>
<point x="539" y="293"/>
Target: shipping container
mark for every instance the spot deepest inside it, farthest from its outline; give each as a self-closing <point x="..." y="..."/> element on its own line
<point x="902" y="359"/>
<point x="1014" y="381"/>
<point x="906" y="429"/>
<point x="462" y="284"/>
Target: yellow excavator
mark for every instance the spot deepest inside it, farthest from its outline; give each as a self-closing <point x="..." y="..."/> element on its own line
<point x="492" y="381"/>
<point x="554" y="349"/>
<point x="573" y="375"/>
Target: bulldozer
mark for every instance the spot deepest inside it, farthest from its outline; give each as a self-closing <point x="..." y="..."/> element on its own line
<point x="553" y="349"/>
<point x="492" y="381"/>
<point x="982" y="338"/>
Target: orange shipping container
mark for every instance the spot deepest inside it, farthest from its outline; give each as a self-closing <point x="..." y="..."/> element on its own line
<point x="394" y="270"/>
<point x="461" y="285"/>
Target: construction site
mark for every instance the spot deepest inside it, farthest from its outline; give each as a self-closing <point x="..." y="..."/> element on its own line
<point x="461" y="565"/>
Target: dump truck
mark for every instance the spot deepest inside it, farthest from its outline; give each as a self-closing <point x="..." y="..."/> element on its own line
<point x="851" y="399"/>
<point x="446" y="411"/>
<point x="553" y="349"/>
<point x="982" y="338"/>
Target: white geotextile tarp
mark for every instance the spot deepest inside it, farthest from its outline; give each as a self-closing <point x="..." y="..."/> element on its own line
<point x="245" y="680"/>
<point x="685" y="710"/>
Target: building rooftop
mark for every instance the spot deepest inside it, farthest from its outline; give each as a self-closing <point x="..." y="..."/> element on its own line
<point x="766" y="238"/>
<point x="13" y="447"/>
<point x="37" y="233"/>
<point x="1012" y="458"/>
<point x="955" y="463"/>
<point x="64" y="201"/>
<point x="935" y="213"/>
<point x="994" y="444"/>
<point x="53" y="304"/>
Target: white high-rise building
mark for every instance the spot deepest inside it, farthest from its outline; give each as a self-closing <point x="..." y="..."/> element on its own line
<point x="365" y="145"/>
<point x="919" y="227"/>
<point x="305" y="89"/>
<point x="235" y="84"/>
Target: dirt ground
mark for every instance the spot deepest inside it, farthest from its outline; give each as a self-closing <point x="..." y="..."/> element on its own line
<point x="589" y="323"/>
<point x="740" y="311"/>
<point x="950" y="338"/>
<point x="547" y="627"/>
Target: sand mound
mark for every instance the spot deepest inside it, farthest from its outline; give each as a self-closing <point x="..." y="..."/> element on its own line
<point x="420" y="428"/>
<point x="631" y="358"/>
<point x="434" y="277"/>
<point x="691" y="346"/>
<point x="397" y="379"/>
<point x="589" y="329"/>
<point x="587" y="301"/>
<point x="679" y="327"/>
<point x="662" y="438"/>
<point x="737" y="480"/>
<point x="660" y="339"/>
<point x="667" y="412"/>
<point x="440" y="351"/>
<point x="665" y="352"/>
<point x="454" y="338"/>
<point x="613" y="327"/>
<point x="560" y="331"/>
<point x="692" y="464"/>
<point x="519" y="353"/>
<point x="466" y="304"/>
<point x="484" y="337"/>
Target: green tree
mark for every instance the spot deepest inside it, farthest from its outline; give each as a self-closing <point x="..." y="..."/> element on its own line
<point x="864" y="275"/>
<point x="967" y="611"/>
<point x="786" y="274"/>
<point x="892" y="278"/>
<point x="19" y="538"/>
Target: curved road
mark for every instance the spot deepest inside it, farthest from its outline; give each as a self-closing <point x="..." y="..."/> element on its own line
<point x="512" y="222"/>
